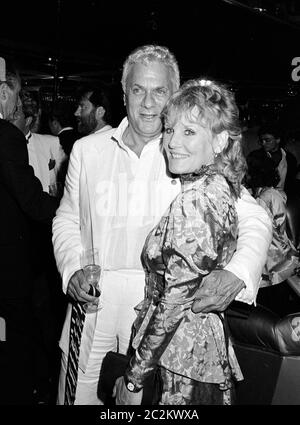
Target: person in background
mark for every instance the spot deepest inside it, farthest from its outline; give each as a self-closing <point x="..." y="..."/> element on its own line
<point x="46" y="155"/>
<point x="283" y="257"/>
<point x="284" y="161"/>
<point x="22" y="201"/>
<point x="93" y="113"/>
<point x="62" y="124"/>
<point x="117" y="189"/>
<point x="46" y="299"/>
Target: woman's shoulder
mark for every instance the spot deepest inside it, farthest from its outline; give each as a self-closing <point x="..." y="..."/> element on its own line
<point x="211" y="191"/>
<point x="216" y="183"/>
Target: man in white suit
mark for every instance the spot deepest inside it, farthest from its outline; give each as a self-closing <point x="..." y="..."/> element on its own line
<point x="117" y="188"/>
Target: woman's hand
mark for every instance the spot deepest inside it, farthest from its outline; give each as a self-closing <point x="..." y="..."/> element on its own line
<point x="124" y="396"/>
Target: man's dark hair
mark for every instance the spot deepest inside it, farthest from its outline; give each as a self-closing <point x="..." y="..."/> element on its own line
<point x="262" y="172"/>
<point x="99" y="96"/>
<point x="272" y="128"/>
<point x="62" y="111"/>
<point x="30" y="106"/>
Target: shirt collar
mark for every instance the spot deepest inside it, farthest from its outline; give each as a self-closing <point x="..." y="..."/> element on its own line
<point x="106" y="127"/>
<point x="28" y="135"/>
<point x="118" y="135"/>
<point x="65" y="128"/>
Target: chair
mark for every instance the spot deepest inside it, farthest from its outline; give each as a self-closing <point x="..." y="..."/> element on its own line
<point x="266" y="337"/>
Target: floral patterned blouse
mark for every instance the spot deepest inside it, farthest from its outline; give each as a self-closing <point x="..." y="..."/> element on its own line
<point x="196" y="235"/>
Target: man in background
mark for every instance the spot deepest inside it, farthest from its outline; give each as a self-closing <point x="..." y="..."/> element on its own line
<point x="62" y="124"/>
<point x="270" y="138"/>
<point x="23" y="201"/>
<point x="93" y="113"/>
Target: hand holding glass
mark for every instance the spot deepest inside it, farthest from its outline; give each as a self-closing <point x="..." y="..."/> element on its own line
<point x="91" y="270"/>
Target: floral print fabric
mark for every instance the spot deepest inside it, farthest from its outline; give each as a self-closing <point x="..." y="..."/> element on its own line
<point x="196" y="235"/>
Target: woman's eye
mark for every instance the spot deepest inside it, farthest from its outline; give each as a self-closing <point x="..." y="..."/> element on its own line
<point x="168" y="130"/>
<point x="189" y="132"/>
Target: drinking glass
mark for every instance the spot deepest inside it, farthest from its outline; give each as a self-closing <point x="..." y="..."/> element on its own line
<point x="91" y="269"/>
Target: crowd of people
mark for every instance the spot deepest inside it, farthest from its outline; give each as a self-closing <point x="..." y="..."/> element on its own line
<point x="163" y="199"/>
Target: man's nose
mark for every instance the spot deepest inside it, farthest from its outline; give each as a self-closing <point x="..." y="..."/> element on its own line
<point x="77" y="112"/>
<point x="148" y="100"/>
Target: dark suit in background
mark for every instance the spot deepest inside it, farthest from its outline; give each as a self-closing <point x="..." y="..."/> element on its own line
<point x="23" y="202"/>
<point x="67" y="138"/>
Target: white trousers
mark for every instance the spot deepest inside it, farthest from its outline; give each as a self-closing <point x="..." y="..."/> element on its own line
<point x="121" y="292"/>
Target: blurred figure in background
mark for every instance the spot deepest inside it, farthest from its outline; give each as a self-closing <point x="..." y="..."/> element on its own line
<point x="62" y="124"/>
<point x="285" y="162"/>
<point x="283" y="257"/>
<point x="94" y="111"/>
<point x="22" y="203"/>
<point x="43" y="150"/>
<point x="46" y="155"/>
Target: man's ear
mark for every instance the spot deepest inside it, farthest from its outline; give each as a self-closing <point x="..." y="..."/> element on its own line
<point x="100" y="111"/>
<point x="4" y="94"/>
<point x="28" y="121"/>
<point x="220" y="142"/>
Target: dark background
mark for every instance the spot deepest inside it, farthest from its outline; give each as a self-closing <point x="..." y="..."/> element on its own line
<point x="60" y="44"/>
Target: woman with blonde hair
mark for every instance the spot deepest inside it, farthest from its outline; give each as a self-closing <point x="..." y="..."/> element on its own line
<point x="196" y="235"/>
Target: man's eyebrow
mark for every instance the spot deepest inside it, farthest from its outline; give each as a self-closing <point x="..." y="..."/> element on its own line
<point x="138" y="85"/>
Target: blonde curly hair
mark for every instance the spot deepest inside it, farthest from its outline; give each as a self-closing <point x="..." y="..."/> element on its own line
<point x="217" y="111"/>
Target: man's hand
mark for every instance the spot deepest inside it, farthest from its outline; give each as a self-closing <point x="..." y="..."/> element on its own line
<point x="78" y="288"/>
<point x="217" y="291"/>
<point x="124" y="396"/>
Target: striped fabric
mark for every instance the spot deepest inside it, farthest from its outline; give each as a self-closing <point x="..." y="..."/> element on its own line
<point x="77" y="322"/>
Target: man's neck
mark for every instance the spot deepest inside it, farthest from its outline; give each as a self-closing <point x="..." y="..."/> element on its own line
<point x="135" y="141"/>
<point x="99" y="126"/>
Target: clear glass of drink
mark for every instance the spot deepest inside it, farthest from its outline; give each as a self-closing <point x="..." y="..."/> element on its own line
<point x="92" y="270"/>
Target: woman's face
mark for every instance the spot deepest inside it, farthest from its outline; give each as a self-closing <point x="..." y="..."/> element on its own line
<point x="188" y="145"/>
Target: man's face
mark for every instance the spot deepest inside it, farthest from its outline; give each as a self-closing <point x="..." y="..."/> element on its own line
<point x="269" y="142"/>
<point x="147" y="91"/>
<point x="12" y="102"/>
<point x="19" y="119"/>
<point x="86" y="116"/>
